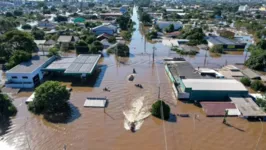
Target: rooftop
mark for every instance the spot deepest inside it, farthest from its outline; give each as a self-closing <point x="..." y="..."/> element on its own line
<point x="216" y="108"/>
<point x="65" y="38"/>
<point x="247" y="106"/>
<point x="214" y="84"/>
<point x="250" y="73"/>
<point x="84" y="63"/>
<point x="30" y="66"/>
<point x="183" y="69"/>
<point x="218" y="40"/>
<point x="95" y="102"/>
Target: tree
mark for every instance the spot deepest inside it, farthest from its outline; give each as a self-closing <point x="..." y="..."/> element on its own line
<point x="124" y="22"/>
<point x="120" y="50"/>
<point x="257" y="59"/>
<point x="82" y="47"/>
<point x="126" y="35"/>
<point x="157" y="110"/>
<point x="7" y="25"/>
<point x="53" y="52"/>
<point x="217" y="49"/>
<point x="98" y="45"/>
<point x="170" y="28"/>
<point x="93" y="49"/>
<point x="145" y="18"/>
<point x="26" y="27"/>
<point x="38" y="34"/>
<point x="9" y="14"/>
<point x="257" y="85"/>
<point x="16" y="40"/>
<point x="51" y="100"/>
<point x="60" y="18"/>
<point x="18" y="13"/>
<point x="227" y="34"/>
<point x="195" y="35"/>
<point x="18" y="57"/>
<point x="112" y="39"/>
<point x="262" y="102"/>
<point x="151" y="35"/>
<point x="262" y="44"/>
<point x="246" y="81"/>
<point x="7" y="108"/>
<point x="90" y="39"/>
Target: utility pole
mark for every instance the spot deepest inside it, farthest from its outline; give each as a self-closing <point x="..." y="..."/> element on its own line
<point x="153" y="52"/>
<point x="159" y="92"/>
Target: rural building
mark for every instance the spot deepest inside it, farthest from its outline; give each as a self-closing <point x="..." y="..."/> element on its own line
<point x="228" y="44"/>
<point x="217" y="109"/>
<point x="27" y="74"/>
<point x="108" y="29"/>
<point x="65" y="40"/>
<point x="243" y="8"/>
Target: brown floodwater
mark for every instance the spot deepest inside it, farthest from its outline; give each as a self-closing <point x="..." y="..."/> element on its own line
<point x="92" y="129"/>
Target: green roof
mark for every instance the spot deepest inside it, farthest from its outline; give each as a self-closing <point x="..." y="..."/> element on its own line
<point x="76" y="20"/>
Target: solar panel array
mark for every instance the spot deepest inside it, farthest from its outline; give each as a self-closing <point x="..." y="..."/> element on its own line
<point x="83" y="64"/>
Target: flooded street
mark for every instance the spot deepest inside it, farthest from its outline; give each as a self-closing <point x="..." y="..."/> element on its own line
<point x="92" y="129"/>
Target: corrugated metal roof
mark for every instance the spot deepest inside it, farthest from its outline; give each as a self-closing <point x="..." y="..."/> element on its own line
<point x="216" y="108"/>
<point x="247" y="106"/>
<point x="95" y="102"/>
<point x="250" y="73"/>
<point x="214" y="84"/>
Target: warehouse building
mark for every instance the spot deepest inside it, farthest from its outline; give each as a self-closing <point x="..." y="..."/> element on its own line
<point x="228" y="44"/>
<point x="189" y="84"/>
<point x="212" y="89"/>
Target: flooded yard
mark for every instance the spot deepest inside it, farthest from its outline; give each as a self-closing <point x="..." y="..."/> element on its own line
<point x="99" y="129"/>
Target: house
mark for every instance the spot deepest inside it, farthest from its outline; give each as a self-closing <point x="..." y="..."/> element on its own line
<point x="243" y="8"/>
<point x="108" y="29"/>
<point x="28" y="74"/>
<point x="46" y="24"/>
<point x="165" y="24"/>
<point x="228" y="44"/>
<point x="110" y="15"/>
<point x="103" y="36"/>
<point x="65" y="41"/>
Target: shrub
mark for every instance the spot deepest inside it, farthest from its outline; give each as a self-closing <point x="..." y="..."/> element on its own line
<point x="246" y="81"/>
<point x="217" y="49"/>
<point x="7" y="108"/>
<point x="257" y="85"/>
<point x="156" y="110"/>
<point x="112" y="39"/>
<point x="53" y="51"/>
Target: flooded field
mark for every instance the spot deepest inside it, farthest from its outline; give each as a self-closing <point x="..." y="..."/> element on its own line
<point x="99" y="129"/>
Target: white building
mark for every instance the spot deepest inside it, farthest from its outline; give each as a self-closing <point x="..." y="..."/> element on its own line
<point x="27" y="74"/>
<point x="243" y="8"/>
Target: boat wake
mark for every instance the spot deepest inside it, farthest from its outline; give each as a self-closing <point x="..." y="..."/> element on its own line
<point x="136" y="114"/>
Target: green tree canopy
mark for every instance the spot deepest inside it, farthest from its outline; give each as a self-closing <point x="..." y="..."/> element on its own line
<point x="112" y="39"/>
<point x="246" y="81"/>
<point x="257" y="85"/>
<point x="98" y="45"/>
<point x="18" y="57"/>
<point x="257" y="59"/>
<point x="82" y="47"/>
<point x="26" y="27"/>
<point x="7" y="108"/>
<point x="38" y="34"/>
<point x="7" y="25"/>
<point x="9" y="14"/>
<point x="157" y="108"/>
<point x="18" y="12"/>
<point x="60" y="18"/>
<point x="90" y="39"/>
<point x="53" y="52"/>
<point x="50" y="100"/>
<point x="124" y="22"/>
<point x="145" y="18"/>
<point x="170" y="28"/>
<point x="217" y="49"/>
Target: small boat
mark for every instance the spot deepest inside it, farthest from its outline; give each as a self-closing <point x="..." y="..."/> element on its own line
<point x="139" y="86"/>
<point x="132" y="127"/>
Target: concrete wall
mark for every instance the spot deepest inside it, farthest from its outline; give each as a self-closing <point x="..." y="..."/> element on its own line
<point x="21" y="82"/>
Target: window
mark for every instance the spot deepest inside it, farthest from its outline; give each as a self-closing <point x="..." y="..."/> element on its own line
<point x="14" y="77"/>
<point x="24" y="77"/>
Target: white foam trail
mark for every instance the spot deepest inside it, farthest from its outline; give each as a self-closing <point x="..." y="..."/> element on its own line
<point x="137" y="113"/>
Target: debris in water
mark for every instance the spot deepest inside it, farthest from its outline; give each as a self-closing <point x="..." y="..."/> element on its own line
<point x="136" y="114"/>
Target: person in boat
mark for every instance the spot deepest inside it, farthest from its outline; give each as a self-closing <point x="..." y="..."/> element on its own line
<point x="132" y="126"/>
<point x="134" y="71"/>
